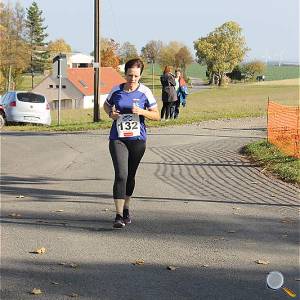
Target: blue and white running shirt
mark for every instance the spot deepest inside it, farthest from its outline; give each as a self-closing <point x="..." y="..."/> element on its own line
<point x="123" y="102"/>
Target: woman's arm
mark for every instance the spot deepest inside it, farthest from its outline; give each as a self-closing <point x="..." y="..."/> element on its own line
<point x="112" y="113"/>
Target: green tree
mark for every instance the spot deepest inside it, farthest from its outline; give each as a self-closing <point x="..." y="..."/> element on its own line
<point x="14" y="52"/>
<point x="151" y="51"/>
<point x="127" y="51"/>
<point x="221" y="50"/>
<point x="36" y="35"/>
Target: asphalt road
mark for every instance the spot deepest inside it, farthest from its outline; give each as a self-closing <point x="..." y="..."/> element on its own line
<point x="199" y="206"/>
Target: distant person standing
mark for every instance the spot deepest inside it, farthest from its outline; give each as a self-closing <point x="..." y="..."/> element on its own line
<point x="128" y="105"/>
<point x="181" y="91"/>
<point x="169" y="96"/>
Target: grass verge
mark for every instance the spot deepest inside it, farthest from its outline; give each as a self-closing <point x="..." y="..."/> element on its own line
<point x="269" y="157"/>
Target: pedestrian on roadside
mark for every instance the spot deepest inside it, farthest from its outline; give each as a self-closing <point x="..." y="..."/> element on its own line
<point x="128" y="104"/>
<point x="181" y="91"/>
<point x="168" y="96"/>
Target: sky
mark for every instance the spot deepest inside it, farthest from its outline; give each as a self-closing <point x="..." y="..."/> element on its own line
<point x="271" y="27"/>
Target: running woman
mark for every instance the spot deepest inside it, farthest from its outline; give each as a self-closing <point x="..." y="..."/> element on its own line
<point x="128" y="104"/>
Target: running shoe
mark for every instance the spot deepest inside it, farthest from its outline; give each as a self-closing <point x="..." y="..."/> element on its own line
<point x="126" y="216"/>
<point x="118" y="223"/>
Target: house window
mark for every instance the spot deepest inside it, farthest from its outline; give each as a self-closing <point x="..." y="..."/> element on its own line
<point x="57" y="86"/>
<point x="50" y="86"/>
<point x="83" y="84"/>
<point x="63" y="86"/>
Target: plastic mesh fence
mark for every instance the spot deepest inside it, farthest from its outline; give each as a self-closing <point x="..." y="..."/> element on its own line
<point x="283" y="128"/>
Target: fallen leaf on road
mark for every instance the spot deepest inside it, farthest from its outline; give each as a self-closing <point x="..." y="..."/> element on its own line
<point x="139" y="262"/>
<point x="73" y="295"/>
<point x="204" y="266"/>
<point x="41" y="250"/>
<point x="20" y="196"/>
<point x="288" y="220"/>
<point x="71" y="265"/>
<point x="14" y="215"/>
<point x="237" y="208"/>
<point x="262" y="262"/>
<point x="171" y="268"/>
<point x="106" y="209"/>
<point x="36" y="292"/>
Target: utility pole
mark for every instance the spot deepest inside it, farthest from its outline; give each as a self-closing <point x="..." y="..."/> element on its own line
<point x="97" y="60"/>
<point x="59" y="89"/>
<point x="152" y="76"/>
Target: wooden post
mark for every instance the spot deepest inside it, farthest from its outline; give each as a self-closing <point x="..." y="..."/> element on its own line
<point x="97" y="62"/>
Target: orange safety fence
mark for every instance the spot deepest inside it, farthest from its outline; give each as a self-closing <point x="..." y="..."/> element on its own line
<point x="284" y="128"/>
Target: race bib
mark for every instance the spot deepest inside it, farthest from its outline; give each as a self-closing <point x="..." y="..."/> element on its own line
<point x="128" y="125"/>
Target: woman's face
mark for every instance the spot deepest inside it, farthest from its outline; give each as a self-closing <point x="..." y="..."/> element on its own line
<point x="133" y="75"/>
<point x="178" y="73"/>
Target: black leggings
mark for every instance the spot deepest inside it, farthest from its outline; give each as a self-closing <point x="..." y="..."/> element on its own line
<point x="167" y="110"/>
<point x="126" y="156"/>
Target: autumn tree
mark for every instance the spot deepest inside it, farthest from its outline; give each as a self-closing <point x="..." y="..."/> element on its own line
<point x="58" y="46"/>
<point x="126" y="52"/>
<point x="221" y="50"/>
<point x="168" y="53"/>
<point x="36" y="35"/>
<point x="14" y="52"/>
<point x="108" y="52"/>
<point x="151" y="51"/>
<point x="253" y="68"/>
<point x="183" y="58"/>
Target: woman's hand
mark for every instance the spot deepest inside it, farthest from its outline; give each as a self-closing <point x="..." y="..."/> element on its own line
<point x="114" y="114"/>
<point x="138" y="111"/>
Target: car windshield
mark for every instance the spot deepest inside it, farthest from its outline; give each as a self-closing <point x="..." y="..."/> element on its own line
<point x="30" y="97"/>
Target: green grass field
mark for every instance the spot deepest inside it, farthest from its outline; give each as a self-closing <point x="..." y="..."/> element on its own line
<point x="272" y="72"/>
<point x="282" y="72"/>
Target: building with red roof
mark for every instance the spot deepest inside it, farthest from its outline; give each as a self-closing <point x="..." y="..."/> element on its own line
<point x="78" y="87"/>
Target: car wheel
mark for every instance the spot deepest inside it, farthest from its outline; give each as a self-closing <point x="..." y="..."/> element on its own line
<point x="2" y="121"/>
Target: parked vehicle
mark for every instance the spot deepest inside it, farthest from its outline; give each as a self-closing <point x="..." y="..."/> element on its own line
<point x="26" y="107"/>
<point x="2" y="115"/>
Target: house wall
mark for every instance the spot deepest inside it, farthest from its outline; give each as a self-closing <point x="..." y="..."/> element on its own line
<point x="68" y="92"/>
<point x="88" y="101"/>
<point x="79" y="59"/>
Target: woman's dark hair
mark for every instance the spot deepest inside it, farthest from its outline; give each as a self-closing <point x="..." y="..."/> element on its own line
<point x="136" y="62"/>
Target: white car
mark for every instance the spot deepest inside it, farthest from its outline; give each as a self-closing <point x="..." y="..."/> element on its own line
<point x="26" y="107"/>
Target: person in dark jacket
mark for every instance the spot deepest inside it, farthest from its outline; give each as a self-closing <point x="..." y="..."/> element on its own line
<point x="169" y="96"/>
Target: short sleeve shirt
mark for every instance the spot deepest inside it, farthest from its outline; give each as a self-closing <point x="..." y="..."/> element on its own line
<point x="123" y="102"/>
